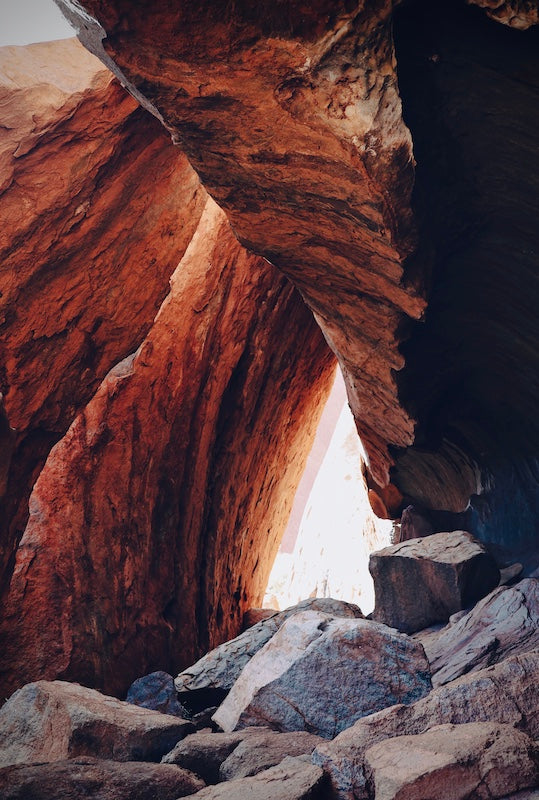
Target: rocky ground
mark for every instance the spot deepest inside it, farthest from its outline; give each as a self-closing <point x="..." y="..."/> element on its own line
<point x="316" y="701"/>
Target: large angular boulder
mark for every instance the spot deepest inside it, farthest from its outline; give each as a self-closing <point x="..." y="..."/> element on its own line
<point x="212" y="676"/>
<point x="507" y="693"/>
<point x="480" y="760"/>
<point x="321" y="674"/>
<point x="263" y="750"/>
<point x="426" y="580"/>
<point x="54" y="720"/>
<point x="505" y="622"/>
<point x="97" y="779"/>
<point x="292" y="779"/>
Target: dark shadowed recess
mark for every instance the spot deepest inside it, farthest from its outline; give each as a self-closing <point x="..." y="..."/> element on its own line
<point x="470" y="90"/>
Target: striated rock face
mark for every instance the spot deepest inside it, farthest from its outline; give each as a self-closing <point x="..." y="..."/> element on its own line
<point x="155" y="520"/>
<point x="292" y="117"/>
<point x="96" y="210"/>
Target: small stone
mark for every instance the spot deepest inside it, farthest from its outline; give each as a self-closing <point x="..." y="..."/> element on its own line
<point x="423" y="581"/>
<point x="156" y="691"/>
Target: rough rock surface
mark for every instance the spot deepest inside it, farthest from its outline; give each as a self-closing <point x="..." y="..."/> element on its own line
<point x="156" y="691"/>
<point x="220" y="668"/>
<point x="321" y="674"/>
<point x="292" y="779"/>
<point x="96" y="779"/>
<point x="507" y="693"/>
<point x="423" y="581"/>
<point x="96" y="210"/>
<point x="154" y="523"/>
<point x="506" y="622"/>
<point x="480" y="760"/>
<point x="51" y="721"/>
<point x="292" y="118"/>
<point x="203" y="752"/>
<point x="260" y="751"/>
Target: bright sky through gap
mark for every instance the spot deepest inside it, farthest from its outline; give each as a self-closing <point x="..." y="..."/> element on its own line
<point x="27" y="21"/>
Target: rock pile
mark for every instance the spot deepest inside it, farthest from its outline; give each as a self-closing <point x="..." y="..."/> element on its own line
<point x="319" y="702"/>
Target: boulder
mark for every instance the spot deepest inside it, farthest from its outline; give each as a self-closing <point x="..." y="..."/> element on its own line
<point x="507" y="693"/>
<point x="203" y="752"/>
<point x="480" y="760"/>
<point x="264" y="749"/>
<point x="52" y="721"/>
<point x="97" y="779"/>
<point x="156" y="691"/>
<point x="505" y="622"/>
<point x="215" y="673"/>
<point x="320" y="674"/>
<point x="292" y="779"/>
<point x="424" y="581"/>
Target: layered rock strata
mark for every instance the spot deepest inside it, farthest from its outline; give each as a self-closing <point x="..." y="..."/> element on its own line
<point x="293" y="119"/>
<point x="96" y="210"/>
<point x="155" y="520"/>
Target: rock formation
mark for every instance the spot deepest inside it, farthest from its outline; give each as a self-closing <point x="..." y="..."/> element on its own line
<point x="96" y="210"/>
<point x="294" y="120"/>
<point x="155" y="520"/>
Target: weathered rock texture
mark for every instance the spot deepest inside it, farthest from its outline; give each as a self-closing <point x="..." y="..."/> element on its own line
<point x="293" y="779"/>
<point x="54" y="720"/>
<point x="292" y="117"/>
<point x="507" y="693"/>
<point x="156" y="691"/>
<point x="204" y="752"/>
<point x="321" y="674"/>
<point x="423" y="581"/>
<point x="96" y="210"/>
<point x="218" y="670"/>
<point x="262" y="751"/>
<point x="504" y="623"/>
<point x="480" y="760"/>
<point x="155" y="521"/>
<point x="98" y="779"/>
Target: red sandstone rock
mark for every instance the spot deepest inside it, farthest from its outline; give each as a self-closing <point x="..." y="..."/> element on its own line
<point x="96" y="210"/>
<point x="155" y="521"/>
<point x="293" y="120"/>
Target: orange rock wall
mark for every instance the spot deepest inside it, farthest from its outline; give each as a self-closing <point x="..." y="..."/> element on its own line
<point x="96" y="210"/>
<point x="155" y="520"/>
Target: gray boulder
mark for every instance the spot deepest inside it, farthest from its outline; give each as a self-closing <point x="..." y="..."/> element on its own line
<point x="207" y="681"/>
<point x="507" y="693"/>
<point x="506" y="622"/>
<point x="424" y="581"/>
<point x="321" y="674"/>
<point x="204" y="752"/>
<point x="156" y="691"/>
<point x="55" y="720"/>
<point x="264" y="749"/>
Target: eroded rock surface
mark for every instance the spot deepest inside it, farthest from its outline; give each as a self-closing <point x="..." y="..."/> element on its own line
<point x="423" y="581"/>
<point x="506" y="622"/>
<point x="97" y="208"/>
<point x="507" y="693"/>
<point x="219" y="669"/>
<point x="321" y="674"/>
<point x="156" y="691"/>
<point x="54" y="720"/>
<point x="155" y="521"/>
<point x="480" y="760"/>
<point x="292" y="779"/>
<point x="98" y="779"/>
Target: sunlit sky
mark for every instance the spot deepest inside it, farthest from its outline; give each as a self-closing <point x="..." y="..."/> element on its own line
<point x="26" y="21"/>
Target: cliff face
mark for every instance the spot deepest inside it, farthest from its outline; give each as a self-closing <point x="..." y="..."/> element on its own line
<point x="96" y="209"/>
<point x="295" y="121"/>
